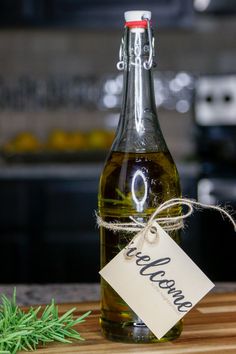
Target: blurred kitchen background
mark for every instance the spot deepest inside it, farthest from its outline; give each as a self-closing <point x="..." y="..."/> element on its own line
<point x="60" y="94"/>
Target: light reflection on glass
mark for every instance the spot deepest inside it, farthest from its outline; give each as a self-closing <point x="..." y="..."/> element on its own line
<point x="139" y="195"/>
<point x="138" y="109"/>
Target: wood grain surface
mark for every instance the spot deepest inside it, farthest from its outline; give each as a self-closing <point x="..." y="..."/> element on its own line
<point x="209" y="328"/>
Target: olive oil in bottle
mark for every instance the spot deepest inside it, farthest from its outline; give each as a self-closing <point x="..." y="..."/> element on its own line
<point x="139" y="175"/>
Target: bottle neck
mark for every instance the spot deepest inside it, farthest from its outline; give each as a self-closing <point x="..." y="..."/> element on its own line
<point x="138" y="84"/>
<point x="138" y="128"/>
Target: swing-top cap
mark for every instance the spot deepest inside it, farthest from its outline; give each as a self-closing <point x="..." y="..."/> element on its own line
<point x="137" y="15"/>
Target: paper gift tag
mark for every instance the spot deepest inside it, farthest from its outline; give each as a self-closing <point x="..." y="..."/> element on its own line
<point x="160" y="283"/>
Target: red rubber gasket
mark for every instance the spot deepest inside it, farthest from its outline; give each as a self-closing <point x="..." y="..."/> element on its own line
<point x="133" y="24"/>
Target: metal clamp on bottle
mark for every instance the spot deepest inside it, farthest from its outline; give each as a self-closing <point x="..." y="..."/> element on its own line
<point x="137" y="19"/>
<point x="148" y="63"/>
<point x="120" y="65"/>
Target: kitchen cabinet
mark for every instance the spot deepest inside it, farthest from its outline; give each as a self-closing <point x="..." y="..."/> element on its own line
<point x="48" y="230"/>
<point x="90" y="13"/>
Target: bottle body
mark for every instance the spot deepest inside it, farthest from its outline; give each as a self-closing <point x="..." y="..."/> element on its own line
<point x="121" y="196"/>
<point x="139" y="175"/>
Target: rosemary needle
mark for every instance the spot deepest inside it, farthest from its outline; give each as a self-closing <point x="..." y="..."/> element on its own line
<point x="21" y="330"/>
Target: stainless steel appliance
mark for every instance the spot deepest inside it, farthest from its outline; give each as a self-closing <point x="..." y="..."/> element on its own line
<point x="215" y="117"/>
<point x="215" y="122"/>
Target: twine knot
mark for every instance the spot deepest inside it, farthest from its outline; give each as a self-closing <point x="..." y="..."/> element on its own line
<point x="149" y="231"/>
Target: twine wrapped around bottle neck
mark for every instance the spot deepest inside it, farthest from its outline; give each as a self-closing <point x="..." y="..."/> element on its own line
<point x="168" y="223"/>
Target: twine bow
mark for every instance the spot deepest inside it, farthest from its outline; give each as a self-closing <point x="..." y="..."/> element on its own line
<point x="168" y="223"/>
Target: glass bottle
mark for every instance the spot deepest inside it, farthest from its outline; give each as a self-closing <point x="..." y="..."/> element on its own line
<point x="139" y="174"/>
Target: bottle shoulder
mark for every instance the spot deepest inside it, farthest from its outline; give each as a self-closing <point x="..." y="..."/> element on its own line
<point x="139" y="135"/>
<point x="153" y="168"/>
<point x="133" y="182"/>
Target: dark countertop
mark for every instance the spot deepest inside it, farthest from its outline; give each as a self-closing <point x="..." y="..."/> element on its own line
<point x="50" y="170"/>
<point x="65" y="293"/>
<point x="62" y="293"/>
<point x="73" y="170"/>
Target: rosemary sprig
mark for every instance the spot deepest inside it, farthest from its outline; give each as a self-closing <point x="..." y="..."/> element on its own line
<point x="21" y="330"/>
<point x="125" y="200"/>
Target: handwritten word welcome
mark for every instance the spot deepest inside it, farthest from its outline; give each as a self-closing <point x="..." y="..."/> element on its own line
<point x="151" y="269"/>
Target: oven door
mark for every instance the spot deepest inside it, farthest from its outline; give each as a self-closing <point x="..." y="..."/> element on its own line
<point x="216" y="234"/>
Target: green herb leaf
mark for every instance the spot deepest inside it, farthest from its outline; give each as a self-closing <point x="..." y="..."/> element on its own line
<point x="21" y="330"/>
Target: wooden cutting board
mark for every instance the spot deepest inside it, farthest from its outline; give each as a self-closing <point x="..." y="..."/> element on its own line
<point x="209" y="328"/>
